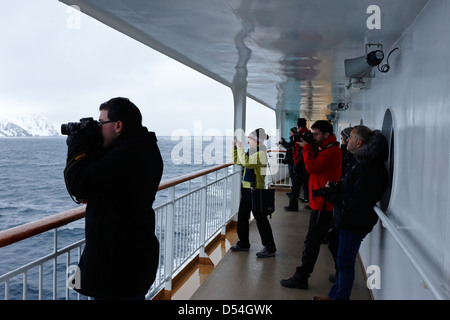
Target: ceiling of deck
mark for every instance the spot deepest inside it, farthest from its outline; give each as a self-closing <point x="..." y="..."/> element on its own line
<point x="290" y="52"/>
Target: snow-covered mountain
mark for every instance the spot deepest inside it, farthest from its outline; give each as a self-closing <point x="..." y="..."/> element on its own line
<point x="30" y="125"/>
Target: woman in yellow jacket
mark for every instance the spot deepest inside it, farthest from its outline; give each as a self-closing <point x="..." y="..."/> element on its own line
<point x="254" y="162"/>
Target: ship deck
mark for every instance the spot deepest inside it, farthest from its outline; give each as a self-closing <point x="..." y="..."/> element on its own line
<point x="243" y="276"/>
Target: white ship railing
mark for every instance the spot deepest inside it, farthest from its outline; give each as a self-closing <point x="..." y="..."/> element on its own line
<point x="277" y="171"/>
<point x="437" y="291"/>
<point x="185" y="224"/>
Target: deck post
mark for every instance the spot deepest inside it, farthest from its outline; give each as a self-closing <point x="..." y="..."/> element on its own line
<point x="203" y="211"/>
<point x="239" y="89"/>
<point x="281" y="123"/>
<point x="224" y="203"/>
<point x="168" y="240"/>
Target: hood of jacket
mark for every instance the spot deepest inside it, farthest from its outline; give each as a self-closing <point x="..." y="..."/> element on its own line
<point x="376" y="150"/>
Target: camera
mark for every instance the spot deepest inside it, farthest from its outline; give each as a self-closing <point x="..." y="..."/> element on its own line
<point x="307" y="137"/>
<point x="334" y="187"/>
<point x="88" y="126"/>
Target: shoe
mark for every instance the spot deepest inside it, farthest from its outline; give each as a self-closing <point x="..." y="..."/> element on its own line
<point x="304" y="200"/>
<point x="321" y="298"/>
<point x="296" y="281"/>
<point x="237" y="248"/>
<point x="266" y="252"/>
<point x="290" y="209"/>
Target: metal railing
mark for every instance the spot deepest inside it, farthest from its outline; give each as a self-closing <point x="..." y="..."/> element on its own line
<point x="184" y="226"/>
<point x="277" y="172"/>
<point x="436" y="290"/>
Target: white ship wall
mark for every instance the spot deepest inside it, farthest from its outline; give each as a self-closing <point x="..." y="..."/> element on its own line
<point x="417" y="92"/>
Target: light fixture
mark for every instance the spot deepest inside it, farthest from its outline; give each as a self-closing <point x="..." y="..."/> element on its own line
<point x="338" y="106"/>
<point x="374" y="58"/>
<point x="362" y="67"/>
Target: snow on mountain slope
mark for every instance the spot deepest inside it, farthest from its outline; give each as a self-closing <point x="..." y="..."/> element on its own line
<point x="30" y="125"/>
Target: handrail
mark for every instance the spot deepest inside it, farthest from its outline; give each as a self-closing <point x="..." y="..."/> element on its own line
<point x="437" y="292"/>
<point x="172" y="182"/>
<point x="31" y="229"/>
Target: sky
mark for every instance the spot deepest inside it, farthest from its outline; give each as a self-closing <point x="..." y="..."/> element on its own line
<point x="64" y="66"/>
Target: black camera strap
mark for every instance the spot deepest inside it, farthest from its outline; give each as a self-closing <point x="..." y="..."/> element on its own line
<point x="329" y="145"/>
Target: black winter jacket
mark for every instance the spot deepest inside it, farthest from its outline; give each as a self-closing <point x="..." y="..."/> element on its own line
<point x="120" y="257"/>
<point x="363" y="182"/>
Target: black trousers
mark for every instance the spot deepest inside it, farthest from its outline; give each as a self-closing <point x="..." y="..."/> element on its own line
<point x="295" y="191"/>
<point x="262" y="222"/>
<point x="320" y="223"/>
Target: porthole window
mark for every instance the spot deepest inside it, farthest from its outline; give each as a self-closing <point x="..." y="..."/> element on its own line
<point x="388" y="132"/>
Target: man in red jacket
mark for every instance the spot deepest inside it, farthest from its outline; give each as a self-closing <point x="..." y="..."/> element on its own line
<point x="323" y="161"/>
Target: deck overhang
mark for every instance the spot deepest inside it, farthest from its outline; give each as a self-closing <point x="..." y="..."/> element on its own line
<point x="288" y="54"/>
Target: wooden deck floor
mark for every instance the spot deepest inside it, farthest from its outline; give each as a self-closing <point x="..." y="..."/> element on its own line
<point x="241" y="275"/>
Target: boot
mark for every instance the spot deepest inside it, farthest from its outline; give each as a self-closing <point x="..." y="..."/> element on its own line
<point x="296" y="281"/>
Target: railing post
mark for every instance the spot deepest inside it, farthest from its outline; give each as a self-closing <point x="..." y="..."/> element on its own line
<point x="224" y="203"/>
<point x="25" y="285"/>
<point x="236" y="190"/>
<point x="168" y="240"/>
<point x="7" y="289"/>
<point x="204" y="197"/>
<point x="55" y="263"/>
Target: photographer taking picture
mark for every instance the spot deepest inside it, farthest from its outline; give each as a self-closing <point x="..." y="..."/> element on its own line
<point x="323" y="161"/>
<point x="115" y="165"/>
<point x="364" y="181"/>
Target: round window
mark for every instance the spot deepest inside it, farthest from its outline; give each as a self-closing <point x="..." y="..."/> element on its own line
<point x="388" y="132"/>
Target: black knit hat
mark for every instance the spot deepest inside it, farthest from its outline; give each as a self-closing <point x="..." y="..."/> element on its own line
<point x="259" y="135"/>
<point x="301" y="123"/>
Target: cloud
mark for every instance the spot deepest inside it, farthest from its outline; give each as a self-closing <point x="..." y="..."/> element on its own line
<point x="65" y="74"/>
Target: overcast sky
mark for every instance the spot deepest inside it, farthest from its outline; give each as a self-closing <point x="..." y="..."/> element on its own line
<point x="65" y="73"/>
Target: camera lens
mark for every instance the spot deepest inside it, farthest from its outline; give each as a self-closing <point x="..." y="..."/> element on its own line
<point x="64" y="129"/>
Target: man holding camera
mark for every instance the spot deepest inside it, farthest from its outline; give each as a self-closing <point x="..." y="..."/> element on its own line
<point x="364" y="181"/>
<point x="323" y="161"/>
<point x="115" y="165"/>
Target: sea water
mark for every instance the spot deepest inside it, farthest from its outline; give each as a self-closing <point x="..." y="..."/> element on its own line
<point x="32" y="187"/>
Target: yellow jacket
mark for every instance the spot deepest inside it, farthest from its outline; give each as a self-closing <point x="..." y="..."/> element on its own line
<point x="256" y="161"/>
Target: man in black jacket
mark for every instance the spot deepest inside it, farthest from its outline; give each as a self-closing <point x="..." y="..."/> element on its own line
<point x="118" y="180"/>
<point x="363" y="182"/>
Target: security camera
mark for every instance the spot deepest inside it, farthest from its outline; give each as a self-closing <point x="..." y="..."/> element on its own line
<point x="362" y="67"/>
<point x="337" y="106"/>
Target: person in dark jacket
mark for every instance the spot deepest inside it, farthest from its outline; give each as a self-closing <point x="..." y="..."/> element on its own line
<point x="323" y="162"/>
<point x="289" y="159"/>
<point x="118" y="180"/>
<point x="363" y="183"/>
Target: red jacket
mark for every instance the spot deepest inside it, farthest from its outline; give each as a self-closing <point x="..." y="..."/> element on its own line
<point x="323" y="166"/>
<point x="298" y="148"/>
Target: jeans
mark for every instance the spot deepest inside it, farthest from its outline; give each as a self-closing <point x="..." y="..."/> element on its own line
<point x="349" y="243"/>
